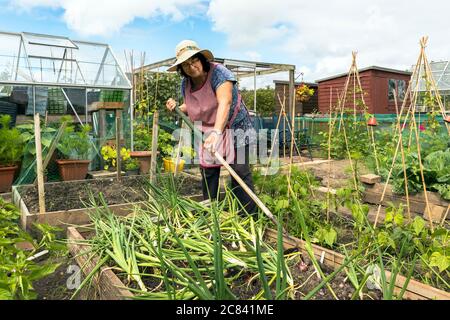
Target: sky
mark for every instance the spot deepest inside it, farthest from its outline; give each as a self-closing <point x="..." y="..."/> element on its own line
<point x="317" y="37"/>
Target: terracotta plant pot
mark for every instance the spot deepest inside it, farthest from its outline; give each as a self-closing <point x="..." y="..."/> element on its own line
<point x="7" y="178"/>
<point x="73" y="169"/>
<point x="144" y="158"/>
<point x="372" y="122"/>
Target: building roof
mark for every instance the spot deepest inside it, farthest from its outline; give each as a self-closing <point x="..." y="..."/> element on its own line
<point x="309" y="84"/>
<point x="242" y="68"/>
<point x="406" y="73"/>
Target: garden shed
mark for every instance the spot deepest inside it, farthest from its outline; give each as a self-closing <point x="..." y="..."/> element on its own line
<point x="377" y="84"/>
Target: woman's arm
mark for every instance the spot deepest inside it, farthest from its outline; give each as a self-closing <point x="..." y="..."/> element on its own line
<point x="224" y="98"/>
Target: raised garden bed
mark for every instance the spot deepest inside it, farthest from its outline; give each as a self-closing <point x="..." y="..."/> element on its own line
<point x="69" y="202"/>
<point x="107" y="285"/>
<point x="415" y="290"/>
<point x="417" y="203"/>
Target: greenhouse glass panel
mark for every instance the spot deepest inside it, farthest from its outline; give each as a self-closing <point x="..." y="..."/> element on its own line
<point x="47" y="40"/>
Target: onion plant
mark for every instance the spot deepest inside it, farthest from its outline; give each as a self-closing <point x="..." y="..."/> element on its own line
<point x="176" y="248"/>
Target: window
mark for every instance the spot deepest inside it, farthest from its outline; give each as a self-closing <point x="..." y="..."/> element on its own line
<point x="400" y="88"/>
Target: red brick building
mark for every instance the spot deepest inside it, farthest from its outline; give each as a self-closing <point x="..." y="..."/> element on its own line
<point x="377" y="84"/>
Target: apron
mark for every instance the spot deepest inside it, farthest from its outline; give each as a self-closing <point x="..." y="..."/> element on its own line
<point x="202" y="107"/>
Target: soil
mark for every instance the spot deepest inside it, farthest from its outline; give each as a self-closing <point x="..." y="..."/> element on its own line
<point x="306" y="276"/>
<point x="305" y="280"/>
<point x="54" y="286"/>
<point x="340" y="174"/>
<point x="76" y="194"/>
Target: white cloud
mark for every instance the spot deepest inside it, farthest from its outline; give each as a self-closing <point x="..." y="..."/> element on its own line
<point x="248" y="22"/>
<point x="106" y="17"/>
<point x="321" y="36"/>
<point x="318" y="37"/>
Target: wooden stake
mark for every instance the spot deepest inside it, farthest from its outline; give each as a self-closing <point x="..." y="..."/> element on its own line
<point x="154" y="146"/>
<point x="119" y="158"/>
<point x="180" y="142"/>
<point x="39" y="169"/>
<point x="53" y="146"/>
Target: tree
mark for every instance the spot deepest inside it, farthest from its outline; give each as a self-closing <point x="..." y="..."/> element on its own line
<point x="265" y="100"/>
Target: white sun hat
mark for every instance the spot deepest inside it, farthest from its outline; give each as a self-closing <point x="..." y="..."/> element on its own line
<point x="186" y="49"/>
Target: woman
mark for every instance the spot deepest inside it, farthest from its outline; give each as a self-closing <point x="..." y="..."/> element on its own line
<point x="211" y="98"/>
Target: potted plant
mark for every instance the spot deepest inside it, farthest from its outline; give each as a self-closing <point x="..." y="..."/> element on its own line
<point x="142" y="145"/>
<point x="74" y="146"/>
<point x="109" y="155"/>
<point x="304" y="93"/>
<point x="11" y="149"/>
<point x="170" y="157"/>
<point x="131" y="167"/>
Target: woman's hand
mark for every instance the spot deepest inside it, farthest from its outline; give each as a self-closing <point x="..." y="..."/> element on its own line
<point x="212" y="141"/>
<point x="171" y="104"/>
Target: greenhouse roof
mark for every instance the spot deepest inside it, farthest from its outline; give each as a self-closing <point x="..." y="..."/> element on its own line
<point x="38" y="59"/>
<point x="241" y="68"/>
<point x="441" y="74"/>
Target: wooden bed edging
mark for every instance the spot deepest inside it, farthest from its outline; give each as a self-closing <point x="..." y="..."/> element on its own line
<point x="416" y="290"/>
<point x="106" y="284"/>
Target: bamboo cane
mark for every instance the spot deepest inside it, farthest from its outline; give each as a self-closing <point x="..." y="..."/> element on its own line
<point x="429" y="75"/>
<point x="403" y="157"/>
<point x="291" y="158"/>
<point x="369" y="131"/>
<point x="409" y="112"/>
<point x="283" y="108"/>
<point x="445" y="216"/>
<point x="272" y="148"/>
<point x="355" y="70"/>
<point x="329" y="155"/>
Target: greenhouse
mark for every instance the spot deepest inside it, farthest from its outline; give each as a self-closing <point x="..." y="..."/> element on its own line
<point x="441" y="76"/>
<point x="55" y="76"/>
